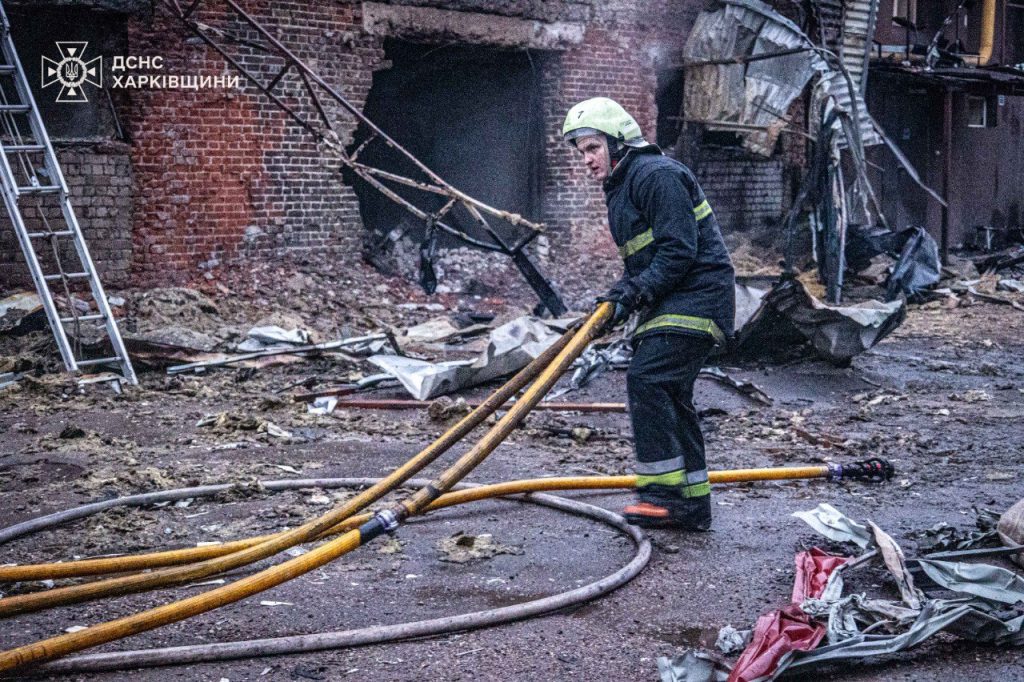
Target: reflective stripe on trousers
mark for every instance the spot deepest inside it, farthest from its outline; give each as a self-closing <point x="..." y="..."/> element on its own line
<point x="687" y="483"/>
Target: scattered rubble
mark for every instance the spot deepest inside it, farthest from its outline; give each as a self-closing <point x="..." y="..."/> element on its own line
<point x="227" y="422"/>
<point x="463" y="548"/>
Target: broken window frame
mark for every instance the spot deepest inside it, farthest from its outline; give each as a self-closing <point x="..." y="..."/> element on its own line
<point x="972" y="108"/>
<point x="321" y="126"/>
<point x="905" y="9"/>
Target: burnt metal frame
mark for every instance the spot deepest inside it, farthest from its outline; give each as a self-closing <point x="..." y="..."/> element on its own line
<point x="321" y="127"/>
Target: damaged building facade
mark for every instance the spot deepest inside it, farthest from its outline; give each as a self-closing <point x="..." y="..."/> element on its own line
<point x="171" y="182"/>
<point x="947" y="84"/>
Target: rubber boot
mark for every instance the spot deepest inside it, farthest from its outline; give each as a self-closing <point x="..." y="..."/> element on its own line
<point x="665" y="507"/>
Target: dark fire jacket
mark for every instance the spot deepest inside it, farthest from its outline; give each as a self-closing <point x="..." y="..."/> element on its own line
<point x="672" y="246"/>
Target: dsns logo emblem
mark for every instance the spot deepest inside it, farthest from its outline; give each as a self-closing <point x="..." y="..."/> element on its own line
<point x="72" y="72"/>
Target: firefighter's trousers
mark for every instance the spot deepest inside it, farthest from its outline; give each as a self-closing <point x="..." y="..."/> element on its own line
<point x="671" y="469"/>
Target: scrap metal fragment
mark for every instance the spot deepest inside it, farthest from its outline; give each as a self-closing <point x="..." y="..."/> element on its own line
<point x="510" y="348"/>
<point x="896" y="564"/>
<point x="977" y="580"/>
<point x="833" y="524"/>
<point x="369" y="342"/>
<point x="837" y="332"/>
<point x="747" y="388"/>
<point x="745" y="64"/>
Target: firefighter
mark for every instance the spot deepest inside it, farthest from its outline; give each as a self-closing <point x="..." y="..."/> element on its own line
<point x="680" y="281"/>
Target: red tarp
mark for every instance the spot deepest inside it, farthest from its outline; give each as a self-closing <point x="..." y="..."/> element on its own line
<point x="788" y="629"/>
<point x="813" y="568"/>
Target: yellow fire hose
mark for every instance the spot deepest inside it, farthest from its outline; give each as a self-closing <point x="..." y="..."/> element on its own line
<point x="140" y="562"/>
<point x="356" y="530"/>
<point x="386" y="521"/>
<point x="276" y="543"/>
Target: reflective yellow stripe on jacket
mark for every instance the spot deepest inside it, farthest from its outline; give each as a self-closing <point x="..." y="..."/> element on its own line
<point x="670" y="321"/>
<point x="646" y="238"/>
<point x="702" y="210"/>
<point x="641" y="241"/>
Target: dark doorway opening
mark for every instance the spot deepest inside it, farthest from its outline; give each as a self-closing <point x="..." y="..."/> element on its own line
<point x="36" y="30"/>
<point x="471" y="114"/>
<point x="669" y="100"/>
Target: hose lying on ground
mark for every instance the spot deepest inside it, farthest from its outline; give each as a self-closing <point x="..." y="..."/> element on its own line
<point x="382" y="522"/>
<point x="871" y="470"/>
<point x="138" y="562"/>
<point x="386" y="633"/>
<point x="273" y="544"/>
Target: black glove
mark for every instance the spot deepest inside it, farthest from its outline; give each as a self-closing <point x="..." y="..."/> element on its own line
<point x="626" y="298"/>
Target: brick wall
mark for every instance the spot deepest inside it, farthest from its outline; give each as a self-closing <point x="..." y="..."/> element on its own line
<point x="99" y="176"/>
<point x="746" y="192"/>
<point x="223" y="174"/>
<point x="100" y="179"/>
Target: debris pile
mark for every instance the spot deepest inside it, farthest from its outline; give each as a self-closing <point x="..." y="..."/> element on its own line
<point x="940" y="592"/>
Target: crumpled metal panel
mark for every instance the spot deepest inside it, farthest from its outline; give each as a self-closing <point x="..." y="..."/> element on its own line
<point x="510" y="348"/>
<point x="835" y="525"/>
<point x="756" y="93"/>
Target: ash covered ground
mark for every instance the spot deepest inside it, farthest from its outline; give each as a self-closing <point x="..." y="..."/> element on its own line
<point x="941" y="398"/>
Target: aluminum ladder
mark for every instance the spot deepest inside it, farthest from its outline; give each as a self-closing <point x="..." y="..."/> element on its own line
<point x="36" y="194"/>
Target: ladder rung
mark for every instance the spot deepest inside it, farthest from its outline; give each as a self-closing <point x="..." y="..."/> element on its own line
<point x="15" y="108"/>
<point x="83" y="318"/>
<point x="7" y="69"/>
<point x="97" y="361"/>
<point x="24" y="148"/>
<point x="39" y="189"/>
<point x="68" y="275"/>
<point x="40" y="235"/>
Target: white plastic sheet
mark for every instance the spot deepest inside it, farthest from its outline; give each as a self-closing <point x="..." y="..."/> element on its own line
<point x="510" y="347"/>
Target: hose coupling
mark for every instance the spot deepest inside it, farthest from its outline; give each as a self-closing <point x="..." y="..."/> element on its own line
<point x="384" y="521"/>
<point x="388" y="519"/>
<point x="874" y="470"/>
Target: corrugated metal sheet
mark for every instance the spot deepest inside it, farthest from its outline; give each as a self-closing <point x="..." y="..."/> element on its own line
<point x="858" y="30"/>
<point x="757" y="94"/>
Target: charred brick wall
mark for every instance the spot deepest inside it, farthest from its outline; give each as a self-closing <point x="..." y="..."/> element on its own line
<point x="225" y="173"/>
<point x="99" y="177"/>
<point x="96" y="165"/>
<point x="219" y="174"/>
<point x="747" y="193"/>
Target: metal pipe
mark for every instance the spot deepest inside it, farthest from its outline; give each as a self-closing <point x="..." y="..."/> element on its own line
<point x="988" y="32"/>
<point x="370" y="404"/>
<point x="947" y="171"/>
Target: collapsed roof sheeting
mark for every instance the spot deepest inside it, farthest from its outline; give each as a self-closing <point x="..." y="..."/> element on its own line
<point x="745" y="64"/>
<point x="732" y="77"/>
